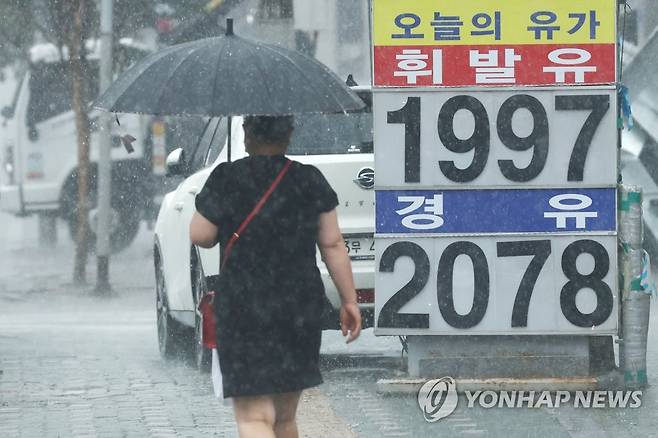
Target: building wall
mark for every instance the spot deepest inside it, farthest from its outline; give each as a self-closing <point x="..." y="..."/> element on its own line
<point x="343" y="34"/>
<point x="341" y="29"/>
<point x="645" y="15"/>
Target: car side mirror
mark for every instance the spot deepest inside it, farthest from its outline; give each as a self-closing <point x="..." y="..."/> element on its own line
<point x="32" y="133"/>
<point x="175" y="163"/>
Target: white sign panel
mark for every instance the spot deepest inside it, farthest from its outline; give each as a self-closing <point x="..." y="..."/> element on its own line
<point x="497" y="285"/>
<point x="496" y="138"/>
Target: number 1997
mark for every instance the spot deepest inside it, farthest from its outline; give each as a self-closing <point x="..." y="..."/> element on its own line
<point x="480" y="141"/>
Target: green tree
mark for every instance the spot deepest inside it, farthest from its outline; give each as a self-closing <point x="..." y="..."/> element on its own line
<point x="17" y="28"/>
<point x="68" y="24"/>
<point x="72" y="18"/>
<point x="22" y="20"/>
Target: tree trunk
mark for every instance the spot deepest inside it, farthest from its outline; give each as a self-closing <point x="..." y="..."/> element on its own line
<point x="82" y="128"/>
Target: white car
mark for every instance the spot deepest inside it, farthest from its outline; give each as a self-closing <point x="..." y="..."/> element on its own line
<point x="340" y="145"/>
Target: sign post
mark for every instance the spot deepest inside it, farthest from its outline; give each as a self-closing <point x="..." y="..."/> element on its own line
<point x="496" y="158"/>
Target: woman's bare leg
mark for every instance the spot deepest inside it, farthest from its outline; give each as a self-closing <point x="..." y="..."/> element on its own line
<point x="255" y="416"/>
<point x="285" y="407"/>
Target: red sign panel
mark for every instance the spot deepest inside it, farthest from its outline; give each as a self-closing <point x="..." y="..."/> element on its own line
<point x="496" y="65"/>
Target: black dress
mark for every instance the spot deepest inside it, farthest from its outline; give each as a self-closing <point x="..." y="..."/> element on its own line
<point x="271" y="294"/>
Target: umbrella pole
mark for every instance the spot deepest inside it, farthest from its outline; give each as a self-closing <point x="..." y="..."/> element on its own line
<point x="229" y="138"/>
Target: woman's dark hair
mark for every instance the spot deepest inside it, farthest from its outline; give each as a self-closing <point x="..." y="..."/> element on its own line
<point x="269" y="129"/>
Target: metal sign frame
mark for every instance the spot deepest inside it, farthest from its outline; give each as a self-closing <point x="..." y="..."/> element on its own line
<point x="415" y="281"/>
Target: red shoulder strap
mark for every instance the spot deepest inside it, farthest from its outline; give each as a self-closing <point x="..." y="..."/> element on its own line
<point x="254" y="212"/>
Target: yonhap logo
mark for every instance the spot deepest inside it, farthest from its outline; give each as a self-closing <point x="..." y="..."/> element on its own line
<point x="438" y="398"/>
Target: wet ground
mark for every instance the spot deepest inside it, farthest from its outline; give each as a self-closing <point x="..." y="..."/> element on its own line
<point x="74" y="364"/>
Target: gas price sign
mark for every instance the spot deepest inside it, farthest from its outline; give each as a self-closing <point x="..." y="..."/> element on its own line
<point x="496" y="204"/>
<point x="493" y="43"/>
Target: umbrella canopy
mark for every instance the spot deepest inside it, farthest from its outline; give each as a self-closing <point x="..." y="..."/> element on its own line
<point x="228" y="75"/>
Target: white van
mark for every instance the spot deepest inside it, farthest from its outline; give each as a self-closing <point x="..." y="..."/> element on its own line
<point x="39" y="149"/>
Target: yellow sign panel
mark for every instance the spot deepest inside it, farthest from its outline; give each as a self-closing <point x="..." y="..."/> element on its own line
<point x="493" y="22"/>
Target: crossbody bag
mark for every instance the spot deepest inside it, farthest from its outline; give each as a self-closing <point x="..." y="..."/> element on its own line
<point x="206" y="307"/>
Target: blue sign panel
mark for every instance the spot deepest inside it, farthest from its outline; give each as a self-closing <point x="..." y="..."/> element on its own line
<point x="496" y="211"/>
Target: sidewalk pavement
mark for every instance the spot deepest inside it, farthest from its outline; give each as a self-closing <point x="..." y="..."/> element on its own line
<point x="75" y="364"/>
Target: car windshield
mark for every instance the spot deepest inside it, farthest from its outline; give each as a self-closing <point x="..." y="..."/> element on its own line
<point x="326" y="134"/>
<point x="14" y="99"/>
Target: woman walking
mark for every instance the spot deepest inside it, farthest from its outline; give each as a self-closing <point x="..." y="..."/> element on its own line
<point x="271" y="294"/>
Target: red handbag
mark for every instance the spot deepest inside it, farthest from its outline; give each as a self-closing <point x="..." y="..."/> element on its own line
<point x="206" y="307"/>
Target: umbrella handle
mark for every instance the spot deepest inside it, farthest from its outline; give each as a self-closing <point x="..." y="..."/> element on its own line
<point x="230" y="122"/>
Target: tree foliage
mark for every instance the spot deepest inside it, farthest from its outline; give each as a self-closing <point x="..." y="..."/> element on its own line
<point x="24" y="22"/>
<point x="17" y="28"/>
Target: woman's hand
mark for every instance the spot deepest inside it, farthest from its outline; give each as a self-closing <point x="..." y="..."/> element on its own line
<point x="334" y="253"/>
<point x="350" y="320"/>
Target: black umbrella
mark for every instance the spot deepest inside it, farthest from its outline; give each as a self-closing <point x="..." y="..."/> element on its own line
<point x="228" y="75"/>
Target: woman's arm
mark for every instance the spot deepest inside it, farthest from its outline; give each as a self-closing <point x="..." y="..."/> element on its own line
<point x="334" y="253"/>
<point x="203" y="232"/>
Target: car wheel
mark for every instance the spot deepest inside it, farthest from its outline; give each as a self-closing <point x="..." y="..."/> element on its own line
<point x="171" y="335"/>
<point x="202" y="355"/>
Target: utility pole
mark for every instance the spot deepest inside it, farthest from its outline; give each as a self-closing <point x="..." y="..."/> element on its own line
<point x="104" y="158"/>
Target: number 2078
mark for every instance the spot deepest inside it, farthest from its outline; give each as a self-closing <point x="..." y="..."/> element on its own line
<point x="536" y="255"/>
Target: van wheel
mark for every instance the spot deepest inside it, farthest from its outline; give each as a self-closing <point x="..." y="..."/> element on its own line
<point x="172" y="335"/>
<point x="125" y="218"/>
<point x="202" y="355"/>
